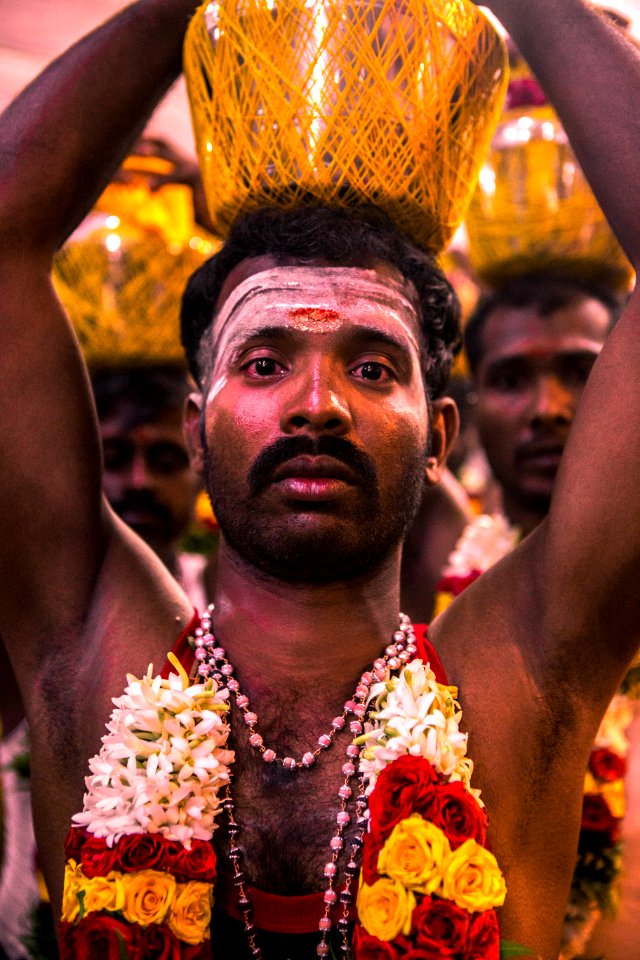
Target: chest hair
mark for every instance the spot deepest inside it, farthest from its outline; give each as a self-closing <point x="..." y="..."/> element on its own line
<point x="286" y="818"/>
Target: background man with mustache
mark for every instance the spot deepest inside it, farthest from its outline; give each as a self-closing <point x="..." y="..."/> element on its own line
<point x="148" y="479"/>
<point x="313" y="598"/>
<point x="531" y="346"/>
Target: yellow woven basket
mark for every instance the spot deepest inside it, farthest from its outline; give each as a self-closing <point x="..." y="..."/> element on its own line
<point x="534" y="210"/>
<point x="392" y="102"/>
<point x="121" y="275"/>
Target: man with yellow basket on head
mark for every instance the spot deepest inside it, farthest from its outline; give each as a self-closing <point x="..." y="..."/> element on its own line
<point x="319" y="730"/>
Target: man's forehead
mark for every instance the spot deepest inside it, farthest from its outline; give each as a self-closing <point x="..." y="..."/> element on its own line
<point x="314" y="298"/>
<point x="580" y="326"/>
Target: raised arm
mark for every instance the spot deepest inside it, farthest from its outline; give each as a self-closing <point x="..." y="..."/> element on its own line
<point x="60" y="142"/>
<point x="572" y="588"/>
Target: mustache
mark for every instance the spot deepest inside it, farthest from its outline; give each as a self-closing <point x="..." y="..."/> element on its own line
<point x="144" y="501"/>
<point x="286" y="448"/>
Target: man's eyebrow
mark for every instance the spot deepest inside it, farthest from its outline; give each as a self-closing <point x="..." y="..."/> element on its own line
<point x="265" y="332"/>
<point x="354" y="332"/>
<point x="369" y="334"/>
<point x="579" y="354"/>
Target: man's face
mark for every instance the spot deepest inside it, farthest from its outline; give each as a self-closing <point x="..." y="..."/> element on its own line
<point x="147" y="476"/>
<point x="529" y="383"/>
<point x="315" y="417"/>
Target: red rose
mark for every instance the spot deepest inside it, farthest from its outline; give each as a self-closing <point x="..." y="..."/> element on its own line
<point x="142" y="851"/>
<point x="101" y="937"/>
<point x="484" y="937"/>
<point x="525" y="92"/>
<point x="403" y="788"/>
<point x="197" y="951"/>
<point x="66" y="936"/>
<point x="370" y="853"/>
<point x="441" y="928"/>
<point x="366" y="947"/>
<point x="606" y="765"/>
<point x="158" y="943"/>
<point x="420" y="953"/>
<point x="452" y="808"/>
<point x="597" y="818"/>
<point x="96" y="858"/>
<point x="455" y="584"/>
<point x="74" y="843"/>
<point x="199" y="863"/>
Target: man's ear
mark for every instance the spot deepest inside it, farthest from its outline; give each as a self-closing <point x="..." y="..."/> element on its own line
<point x="193" y="431"/>
<point x="444" y="426"/>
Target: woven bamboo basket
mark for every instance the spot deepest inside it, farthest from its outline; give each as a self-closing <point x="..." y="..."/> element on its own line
<point x="387" y="102"/>
<point x="533" y="209"/>
<point x="120" y="276"/>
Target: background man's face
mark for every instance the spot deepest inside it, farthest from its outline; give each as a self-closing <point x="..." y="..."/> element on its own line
<point x="147" y="477"/>
<point x="316" y="419"/>
<point x="529" y="383"/>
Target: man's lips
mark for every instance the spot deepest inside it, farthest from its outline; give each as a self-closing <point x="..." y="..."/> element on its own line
<point x="541" y="456"/>
<point x="313" y="477"/>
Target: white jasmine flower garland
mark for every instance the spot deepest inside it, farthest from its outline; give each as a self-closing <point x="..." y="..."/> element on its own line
<point x="163" y="762"/>
<point x="417" y="716"/>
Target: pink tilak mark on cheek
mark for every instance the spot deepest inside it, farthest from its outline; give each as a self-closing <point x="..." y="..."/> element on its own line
<point x="315" y="319"/>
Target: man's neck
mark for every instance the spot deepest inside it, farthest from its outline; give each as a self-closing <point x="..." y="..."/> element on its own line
<point x="523" y="515"/>
<point x="320" y="631"/>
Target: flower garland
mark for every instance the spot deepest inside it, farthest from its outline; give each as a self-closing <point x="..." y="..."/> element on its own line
<point x="140" y="869"/>
<point x="139" y="866"/>
<point x="593" y="890"/>
<point x="428" y="881"/>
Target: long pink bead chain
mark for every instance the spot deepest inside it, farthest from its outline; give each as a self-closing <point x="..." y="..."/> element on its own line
<point x="213" y="662"/>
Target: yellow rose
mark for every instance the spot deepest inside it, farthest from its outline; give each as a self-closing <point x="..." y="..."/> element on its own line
<point x="614" y="795"/>
<point x="147" y="895"/>
<point x="472" y="878"/>
<point x="190" y="913"/>
<point x="414" y="854"/>
<point x="73" y="877"/>
<point x="591" y="785"/>
<point x="385" y="908"/>
<point x="103" y="893"/>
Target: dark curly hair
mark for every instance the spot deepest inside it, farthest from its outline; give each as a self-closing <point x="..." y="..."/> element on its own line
<point x="356" y="237"/>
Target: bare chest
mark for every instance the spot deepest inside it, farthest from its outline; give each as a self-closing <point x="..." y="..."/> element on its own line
<point x="287" y="820"/>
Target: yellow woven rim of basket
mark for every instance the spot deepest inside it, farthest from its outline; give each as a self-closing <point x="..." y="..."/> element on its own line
<point x="533" y="209"/>
<point x="387" y="102"/>
<point x="121" y="277"/>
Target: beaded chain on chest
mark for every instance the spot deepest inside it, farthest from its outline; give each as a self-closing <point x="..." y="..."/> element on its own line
<point x="213" y="662"/>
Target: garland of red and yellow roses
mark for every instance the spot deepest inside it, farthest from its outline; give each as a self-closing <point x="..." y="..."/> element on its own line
<point x="140" y="869"/>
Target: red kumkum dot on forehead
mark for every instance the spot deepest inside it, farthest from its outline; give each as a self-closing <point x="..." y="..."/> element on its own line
<point x="315" y="319"/>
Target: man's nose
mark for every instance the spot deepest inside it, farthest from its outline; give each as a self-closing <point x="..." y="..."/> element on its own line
<point x="553" y="402"/>
<point x="317" y="401"/>
<point x="140" y="477"/>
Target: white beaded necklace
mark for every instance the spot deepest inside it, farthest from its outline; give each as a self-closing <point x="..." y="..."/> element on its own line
<point x="213" y="662"/>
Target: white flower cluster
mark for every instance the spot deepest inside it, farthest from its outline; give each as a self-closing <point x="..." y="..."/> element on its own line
<point x="414" y="714"/>
<point x="484" y="541"/>
<point x="612" y="733"/>
<point x="163" y="763"/>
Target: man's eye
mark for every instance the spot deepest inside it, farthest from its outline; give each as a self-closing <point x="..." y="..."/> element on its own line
<point x="507" y="381"/>
<point x="262" y="367"/>
<point x="371" y="370"/>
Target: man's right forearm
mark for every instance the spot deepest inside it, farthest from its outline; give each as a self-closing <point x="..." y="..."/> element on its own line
<point x="65" y="135"/>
